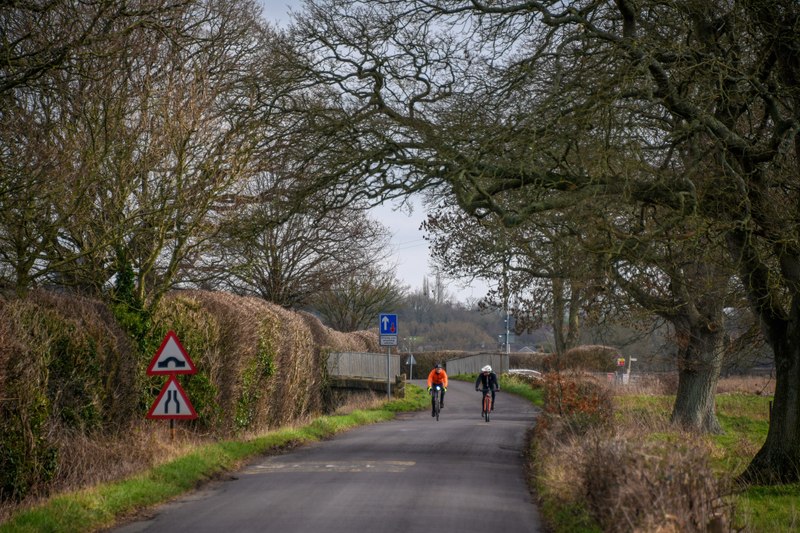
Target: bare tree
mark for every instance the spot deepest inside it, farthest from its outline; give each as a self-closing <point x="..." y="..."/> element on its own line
<point x="354" y="302"/>
<point x="28" y="221"/>
<point x="580" y="265"/>
<point x="539" y="266"/>
<point x="144" y="136"/>
<point x="39" y="38"/>
<point x="592" y="101"/>
<point x="286" y="255"/>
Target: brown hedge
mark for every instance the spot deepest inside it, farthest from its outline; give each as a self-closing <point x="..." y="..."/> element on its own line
<point x="67" y="369"/>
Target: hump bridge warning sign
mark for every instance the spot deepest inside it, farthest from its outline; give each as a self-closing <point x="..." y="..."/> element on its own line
<point x="171" y="358"/>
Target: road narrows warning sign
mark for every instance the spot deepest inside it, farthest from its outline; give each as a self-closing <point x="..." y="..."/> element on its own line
<point x="172" y="402"/>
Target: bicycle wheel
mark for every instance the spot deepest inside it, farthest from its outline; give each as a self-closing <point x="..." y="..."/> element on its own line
<point x="487" y="406"/>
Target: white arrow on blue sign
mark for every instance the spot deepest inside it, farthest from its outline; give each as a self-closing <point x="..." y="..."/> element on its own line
<point x="388" y="324"/>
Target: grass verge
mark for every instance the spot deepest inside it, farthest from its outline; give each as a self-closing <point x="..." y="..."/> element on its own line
<point x="512" y="384"/>
<point x="104" y="505"/>
<point x="745" y="421"/>
<point x="642" y="456"/>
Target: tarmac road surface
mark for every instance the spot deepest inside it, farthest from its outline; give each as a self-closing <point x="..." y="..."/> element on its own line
<point x="412" y="474"/>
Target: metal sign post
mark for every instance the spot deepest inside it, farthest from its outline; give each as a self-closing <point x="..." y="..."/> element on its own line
<point x="411" y="363"/>
<point x="388" y="372"/>
<point x="387" y="324"/>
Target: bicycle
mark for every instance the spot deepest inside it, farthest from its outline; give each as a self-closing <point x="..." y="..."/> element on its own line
<point x="487" y="403"/>
<point x="437" y="407"/>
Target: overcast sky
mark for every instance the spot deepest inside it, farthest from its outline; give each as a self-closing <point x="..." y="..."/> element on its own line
<point x="276" y="10"/>
<point x="409" y="248"/>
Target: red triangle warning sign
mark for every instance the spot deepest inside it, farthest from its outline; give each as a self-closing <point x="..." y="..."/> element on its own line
<point x="171" y="358"/>
<point x="172" y="402"/>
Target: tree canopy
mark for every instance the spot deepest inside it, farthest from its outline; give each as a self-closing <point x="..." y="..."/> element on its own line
<point x="683" y="115"/>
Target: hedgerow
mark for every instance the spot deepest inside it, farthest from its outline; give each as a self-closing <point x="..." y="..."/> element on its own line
<point x="73" y="376"/>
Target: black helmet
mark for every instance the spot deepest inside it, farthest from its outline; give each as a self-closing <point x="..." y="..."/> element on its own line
<point x="437" y="365"/>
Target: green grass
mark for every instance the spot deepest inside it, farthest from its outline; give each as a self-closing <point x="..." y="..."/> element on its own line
<point x="653" y="406"/>
<point x="745" y="421"/>
<point x="743" y="416"/>
<point x="102" y="506"/>
<point x="769" y="509"/>
<point x="568" y="518"/>
<point x="516" y="385"/>
<point x="513" y="385"/>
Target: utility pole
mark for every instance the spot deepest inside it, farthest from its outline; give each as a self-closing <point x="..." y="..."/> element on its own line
<point x="508" y="320"/>
<point x="506" y="298"/>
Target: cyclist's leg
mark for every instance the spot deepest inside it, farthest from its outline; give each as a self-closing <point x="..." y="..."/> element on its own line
<point x="433" y="403"/>
<point x="493" y="391"/>
<point x="441" y="398"/>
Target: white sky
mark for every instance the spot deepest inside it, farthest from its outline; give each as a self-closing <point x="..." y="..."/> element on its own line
<point x="276" y="11"/>
<point x="409" y="248"/>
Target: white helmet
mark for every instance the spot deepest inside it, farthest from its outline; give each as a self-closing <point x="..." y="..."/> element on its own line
<point x="487" y="368"/>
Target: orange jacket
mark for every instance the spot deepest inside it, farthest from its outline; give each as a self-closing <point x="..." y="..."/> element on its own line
<point x="440" y="378"/>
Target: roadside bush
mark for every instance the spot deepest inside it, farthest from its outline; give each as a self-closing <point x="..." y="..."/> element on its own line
<point x="199" y="331"/>
<point x="590" y="358"/>
<point x="28" y="458"/>
<point x="634" y="473"/>
<point x="574" y="406"/>
<point x="259" y="365"/>
<point x="531" y="361"/>
<point x="651" y="486"/>
<point x="64" y="366"/>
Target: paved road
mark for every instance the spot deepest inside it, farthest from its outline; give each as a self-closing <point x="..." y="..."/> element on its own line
<point x="459" y="474"/>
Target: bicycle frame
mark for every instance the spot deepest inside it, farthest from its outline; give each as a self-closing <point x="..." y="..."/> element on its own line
<point x="436" y="392"/>
<point x="487" y="403"/>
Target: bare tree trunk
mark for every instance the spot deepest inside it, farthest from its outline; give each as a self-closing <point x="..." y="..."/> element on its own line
<point x="558" y="317"/>
<point x="778" y="460"/>
<point x="574" y="324"/>
<point x="699" y="364"/>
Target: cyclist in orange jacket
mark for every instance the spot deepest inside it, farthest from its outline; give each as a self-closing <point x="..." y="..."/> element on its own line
<point x="437" y="376"/>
